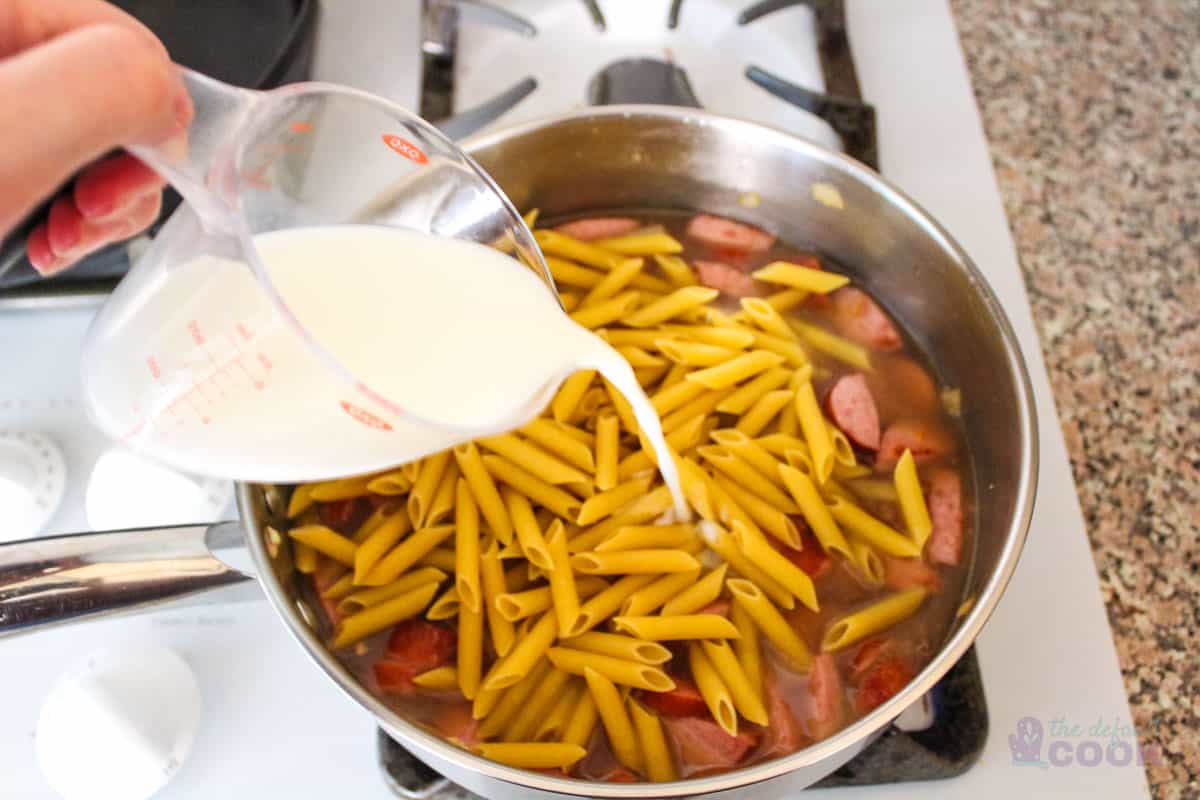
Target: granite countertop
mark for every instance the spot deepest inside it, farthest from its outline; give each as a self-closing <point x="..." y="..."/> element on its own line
<point x="1092" y="110"/>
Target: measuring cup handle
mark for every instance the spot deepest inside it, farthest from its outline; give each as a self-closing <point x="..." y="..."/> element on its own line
<point x="62" y="579"/>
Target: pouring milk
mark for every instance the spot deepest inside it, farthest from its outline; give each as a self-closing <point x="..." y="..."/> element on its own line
<point x="439" y="341"/>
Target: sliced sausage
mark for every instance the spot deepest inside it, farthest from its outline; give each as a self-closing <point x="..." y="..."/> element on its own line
<point x="726" y="234"/>
<point x="727" y="279"/>
<point x="858" y="317"/>
<point x="946" y="510"/>
<point x="703" y="746"/>
<point x="592" y="228"/>
<point x="783" y="735"/>
<point x="811" y="557"/>
<point x="344" y="516"/>
<point x="825" y="698"/>
<point x="927" y="440"/>
<point x="881" y="681"/>
<point x="867" y="654"/>
<point x="720" y="607"/>
<point x="421" y="645"/>
<point x="455" y="722"/>
<point x="684" y="700"/>
<point x="851" y="406"/>
<point x="910" y="573"/>
<point x="394" y="677"/>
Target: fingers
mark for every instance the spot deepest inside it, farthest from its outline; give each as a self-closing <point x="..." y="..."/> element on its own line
<point x="107" y="188"/>
<point x="76" y="97"/>
<point x="68" y="235"/>
<point x="27" y="23"/>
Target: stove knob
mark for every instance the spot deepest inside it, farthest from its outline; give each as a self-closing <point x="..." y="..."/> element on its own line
<point x="32" y="481"/>
<point x="118" y="725"/>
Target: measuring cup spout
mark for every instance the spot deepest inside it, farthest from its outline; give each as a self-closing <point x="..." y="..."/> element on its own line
<point x="198" y="162"/>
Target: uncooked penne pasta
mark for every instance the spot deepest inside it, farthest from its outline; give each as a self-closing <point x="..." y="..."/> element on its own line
<point x="441" y="678"/>
<point x="559" y="244"/>
<point x="533" y="487"/>
<point x="876" y="490"/>
<point x="754" y="421"/>
<point x="653" y="596"/>
<point x="533" y="544"/>
<point x="816" y="434"/>
<point x="751" y="391"/>
<point x="607" y="312"/>
<point x="676" y="270"/>
<point x="365" y="598"/>
<point x="327" y="542"/>
<point x="406" y="553"/>
<point x="714" y="691"/>
<point x="660" y="765"/>
<point x="743" y="473"/>
<point x="491" y="576"/>
<point x="832" y="345"/>
<point x="843" y="451"/>
<point x="747" y="648"/>
<point x="563" y="406"/>
<point x="622" y="407"/>
<point x="470" y="650"/>
<point x="618" y="670"/>
<point x="790" y="350"/>
<point x="524" y="654"/>
<point x="640" y="359"/>
<point x="390" y="483"/>
<point x="607" y="442"/>
<point x="771" y="623"/>
<point x="873" y="619"/>
<point x="524" y="723"/>
<point x="786" y="299"/>
<point x="444" y="606"/>
<point x="621" y="736"/>
<point x="643" y="537"/>
<point x="340" y="489"/>
<point x="796" y="276"/>
<point x="604" y="605"/>
<point x="373" y="548"/>
<point x="633" y="562"/>
<point x="676" y="396"/>
<point x="562" y="579"/>
<point x="775" y="564"/>
<point x="677" y="302"/>
<point x="729" y="338"/>
<point x="735" y="370"/>
<point x="602" y="505"/>
<point x="613" y="282"/>
<point x="509" y="702"/>
<point x="877" y="533"/>
<point x="695" y="354"/>
<point x="722" y="543"/>
<point x="741" y="690"/>
<point x="695" y="597"/>
<point x="420" y="499"/>
<point x="466" y="548"/>
<point x="766" y="317"/>
<point x="554" y="724"/>
<point x="667" y="629"/>
<point x="305" y="558"/>
<point x="362" y="624"/>
<point x="815" y="512"/>
<point x="532" y="755"/>
<point x="530" y="457"/>
<point x="623" y="647"/>
<point x="867" y="562"/>
<point x="641" y="244"/>
<point x="912" y="500"/>
<point x="301" y="500"/>
<point x="560" y="440"/>
<point x="484" y="490"/>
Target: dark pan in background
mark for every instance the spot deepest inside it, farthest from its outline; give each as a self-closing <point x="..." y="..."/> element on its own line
<point x="256" y="44"/>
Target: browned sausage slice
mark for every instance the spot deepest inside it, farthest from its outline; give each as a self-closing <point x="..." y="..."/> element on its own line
<point x="946" y="511"/>
<point x="729" y="235"/>
<point x="592" y="228"/>
<point x="927" y="440"/>
<point x="858" y="317"/>
<point x="729" y="280"/>
<point x="851" y="406"/>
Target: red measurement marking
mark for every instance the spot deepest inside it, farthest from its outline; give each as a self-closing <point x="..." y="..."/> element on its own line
<point x="365" y="417"/>
<point x="244" y="332"/>
<point x="155" y="370"/>
<point x="405" y="148"/>
<point x="194" y="329"/>
<point x="262" y="359"/>
<point x="300" y="127"/>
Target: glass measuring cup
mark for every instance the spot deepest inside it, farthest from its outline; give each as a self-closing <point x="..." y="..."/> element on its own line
<point x="197" y="360"/>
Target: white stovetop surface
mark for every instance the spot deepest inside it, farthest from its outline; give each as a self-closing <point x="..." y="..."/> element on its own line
<point x="273" y="727"/>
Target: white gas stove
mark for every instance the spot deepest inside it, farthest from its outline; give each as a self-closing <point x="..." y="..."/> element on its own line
<point x="270" y="725"/>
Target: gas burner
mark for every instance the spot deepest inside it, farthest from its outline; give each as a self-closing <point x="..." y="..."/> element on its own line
<point x="486" y="63"/>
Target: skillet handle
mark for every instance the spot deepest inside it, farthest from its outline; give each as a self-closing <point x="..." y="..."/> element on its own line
<point x="62" y="579"/>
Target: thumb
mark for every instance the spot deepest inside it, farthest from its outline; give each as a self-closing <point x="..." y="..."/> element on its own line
<point x="74" y="98"/>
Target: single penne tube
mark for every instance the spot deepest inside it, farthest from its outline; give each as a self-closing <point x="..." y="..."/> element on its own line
<point x="622" y="407"/>
<point x="640" y="359"/>
<point x="667" y="629"/>
<point x="466" y="548"/>
<point x="729" y="510"/>
<point x="760" y="553"/>
<point x="559" y="440"/>
<point x="786" y="299"/>
<point x="508" y="703"/>
<point x="660" y="764"/>
<point x="531" y="217"/>
<point x="440" y="557"/>
<point x="305" y="558"/>
<point x="365" y="598"/>
<point x="723" y="544"/>
<point x="633" y="562"/>
<point x="621" y="736"/>
<point x="814" y="511"/>
<point x="750" y="451"/>
<point x="877" y="490"/>
<point x="765" y="516"/>
<point x="569" y="273"/>
<point x="529" y="456"/>
<point x="816" y="433"/>
<point x="339" y="489"/>
<point x="832" y="345"/>
<point x="371" y="549"/>
<point x="607" y="312"/>
<point x="778" y="444"/>
<point x="516" y="606"/>
<point x="470" y="650"/>
<point x="592" y="403"/>
<point x="695" y="488"/>
<point x="745" y="698"/>
<point x="618" y="670"/>
<point x="390" y="483"/>
<point x="362" y="624"/>
<point x="677" y="302"/>
<point x="653" y="596"/>
<point x="524" y="654"/>
<point x="714" y="691"/>
<point x="554" y="724"/>
<point x="743" y="473"/>
<point x="563" y="590"/>
<point x="613" y="282"/>
<point x="623" y="647"/>
<point x="747" y="648"/>
<point x="491" y="576"/>
<point x="532" y="755"/>
<point x="875" y="618"/>
<point x="406" y="553"/>
<point x="643" y="537"/>
<point x="533" y="544"/>
<point x="676" y="396"/>
<point x="420" y="499"/>
<point x="771" y="623"/>
<point x="790" y="350"/>
<point x="641" y="244"/>
<point x="523" y="726"/>
<point x="301" y="500"/>
<point x="754" y="421"/>
<point x="676" y="270"/>
<point x="650" y="505"/>
<point x="912" y="500"/>
<point x="787" y="422"/>
<point x="566" y="400"/>
<point x="730" y="338"/>
<point x="582" y="720"/>
<point x="751" y="391"/>
<point x="644" y="339"/>
<point x="604" y="504"/>
<point x="701" y="406"/>
<point x="735" y="370"/>
<point x="343" y="586"/>
<point x="559" y="244"/>
<point x="533" y="487"/>
<point x="766" y="317"/>
<point x="696" y="354"/>
<point x="607" y="451"/>
<point x="587" y="538"/>
<point x="843" y="451"/>
<point x="440" y="678"/>
<point x="694" y="598"/>
<point x="442" y="506"/>
<point x="867" y="527"/>
<point x="484" y="490"/>
<point x="599" y="608"/>
<point x="444" y="606"/>
<point x="327" y="542"/>
<point x="795" y="276"/>
<point x="410" y="470"/>
<point x="868" y="563"/>
<point x="378" y="517"/>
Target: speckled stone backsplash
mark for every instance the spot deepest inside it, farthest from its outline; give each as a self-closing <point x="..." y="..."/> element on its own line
<point x="1093" y="114"/>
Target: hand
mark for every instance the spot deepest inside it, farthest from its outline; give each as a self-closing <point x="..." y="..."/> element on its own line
<point x="79" y="78"/>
